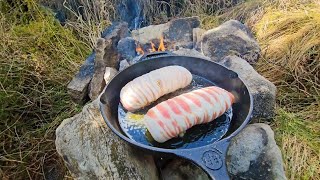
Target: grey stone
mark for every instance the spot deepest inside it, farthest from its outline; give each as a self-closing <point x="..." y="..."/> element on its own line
<point x="110" y="56"/>
<point x="181" y="169"/>
<point x="176" y="33"/>
<point x="123" y="64"/>
<point x="78" y="86"/>
<point x="197" y="38"/>
<point x="252" y="154"/>
<point x="127" y="48"/>
<point x="179" y="33"/>
<point x="97" y="83"/>
<point x="190" y="52"/>
<point x="135" y="60"/>
<point x="116" y="31"/>
<point x="194" y="21"/>
<point x="230" y="38"/>
<point x="106" y="56"/>
<point x="262" y="90"/>
<point x="91" y="150"/>
<point x="109" y="74"/>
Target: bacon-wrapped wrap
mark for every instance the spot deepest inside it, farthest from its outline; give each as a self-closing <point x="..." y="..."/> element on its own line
<point x="147" y="88"/>
<point x="174" y="116"/>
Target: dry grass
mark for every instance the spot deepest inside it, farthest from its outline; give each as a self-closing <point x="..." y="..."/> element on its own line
<point x="37" y="59"/>
<point x="289" y="34"/>
<point x="91" y="18"/>
<point x="299" y="142"/>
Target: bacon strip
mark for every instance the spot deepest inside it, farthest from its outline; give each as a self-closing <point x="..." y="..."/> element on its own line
<point x="147" y="88"/>
<point x="180" y="113"/>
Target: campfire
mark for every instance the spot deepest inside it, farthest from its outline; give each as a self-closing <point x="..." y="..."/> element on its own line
<point x="153" y="48"/>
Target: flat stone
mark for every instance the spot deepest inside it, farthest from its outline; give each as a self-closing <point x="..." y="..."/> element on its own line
<point x="78" y="87"/>
<point x="127" y="48"/>
<point x="91" y="150"/>
<point x="109" y="74"/>
<point x="252" y="154"/>
<point x="135" y="59"/>
<point x="190" y="52"/>
<point x="123" y="64"/>
<point x="230" y="38"/>
<point x="262" y="90"/>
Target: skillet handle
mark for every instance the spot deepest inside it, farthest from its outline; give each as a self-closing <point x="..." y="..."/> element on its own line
<point x="155" y="54"/>
<point x="212" y="159"/>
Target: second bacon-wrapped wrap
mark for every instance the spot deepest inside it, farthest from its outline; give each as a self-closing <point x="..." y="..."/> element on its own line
<point x="174" y="116"/>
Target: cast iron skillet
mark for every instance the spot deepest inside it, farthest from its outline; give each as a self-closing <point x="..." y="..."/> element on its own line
<point x="212" y="157"/>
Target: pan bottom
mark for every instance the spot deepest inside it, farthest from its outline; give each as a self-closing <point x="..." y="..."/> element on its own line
<point x="200" y="135"/>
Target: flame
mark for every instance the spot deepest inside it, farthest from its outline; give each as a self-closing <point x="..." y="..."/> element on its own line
<point x="139" y="50"/>
<point x="161" y="45"/>
<point x="153" y="47"/>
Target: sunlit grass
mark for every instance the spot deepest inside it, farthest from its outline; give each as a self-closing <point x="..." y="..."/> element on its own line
<point x="37" y="57"/>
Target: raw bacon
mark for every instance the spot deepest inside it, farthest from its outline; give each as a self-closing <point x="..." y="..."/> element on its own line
<point x="174" y="116"/>
<point x="147" y="88"/>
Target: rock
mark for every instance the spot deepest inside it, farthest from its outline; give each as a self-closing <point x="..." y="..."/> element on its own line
<point x="177" y="32"/>
<point x="106" y="56"/>
<point x="262" y="90"/>
<point x="97" y="83"/>
<point x="197" y="38"/>
<point x="190" y="52"/>
<point x="181" y="169"/>
<point x="127" y="48"/>
<point x="123" y="64"/>
<point x="109" y="74"/>
<point x="91" y="150"/>
<point x="230" y="38"/>
<point x="254" y="154"/>
<point x="78" y="87"/>
<point x="194" y="21"/>
<point x="135" y="59"/>
<point x="116" y="30"/>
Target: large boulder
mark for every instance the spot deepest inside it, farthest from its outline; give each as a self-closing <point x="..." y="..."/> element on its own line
<point x="91" y="150"/>
<point x="262" y="90"/>
<point x="230" y="38"/>
<point x="252" y="154"/>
